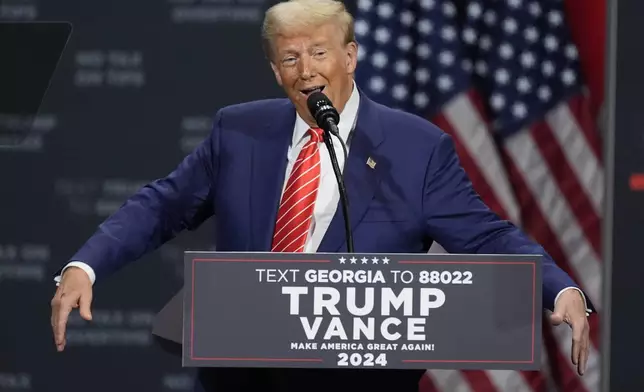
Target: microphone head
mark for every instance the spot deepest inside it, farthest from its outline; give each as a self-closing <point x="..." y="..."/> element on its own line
<point x="322" y="109"/>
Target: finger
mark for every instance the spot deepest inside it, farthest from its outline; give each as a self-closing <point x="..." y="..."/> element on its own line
<point x="66" y="303"/>
<point x="55" y="305"/>
<point x="585" y="350"/>
<point x="556" y="318"/>
<point x="577" y="335"/>
<point x="85" y="303"/>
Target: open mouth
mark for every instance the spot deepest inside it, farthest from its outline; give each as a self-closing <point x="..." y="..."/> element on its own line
<point x="312" y="90"/>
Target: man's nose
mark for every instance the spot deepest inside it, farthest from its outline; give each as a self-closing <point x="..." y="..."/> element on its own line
<point x="307" y="68"/>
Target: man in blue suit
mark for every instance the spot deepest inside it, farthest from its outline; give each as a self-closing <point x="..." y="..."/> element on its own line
<point x="403" y="177"/>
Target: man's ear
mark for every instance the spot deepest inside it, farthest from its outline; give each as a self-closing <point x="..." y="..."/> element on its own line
<point x="278" y="77"/>
<point x="352" y="57"/>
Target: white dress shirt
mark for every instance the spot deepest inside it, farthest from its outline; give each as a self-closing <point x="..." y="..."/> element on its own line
<point x="328" y="196"/>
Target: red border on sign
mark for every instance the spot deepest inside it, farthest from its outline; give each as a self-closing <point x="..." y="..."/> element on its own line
<point x="194" y="261"/>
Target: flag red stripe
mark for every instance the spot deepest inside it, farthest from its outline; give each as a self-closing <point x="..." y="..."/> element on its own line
<point x="568" y="183"/>
<point x="535" y="380"/>
<point x="426" y="384"/>
<point x="479" y="381"/>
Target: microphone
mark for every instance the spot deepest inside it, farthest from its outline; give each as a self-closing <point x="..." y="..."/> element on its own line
<point x="327" y="118"/>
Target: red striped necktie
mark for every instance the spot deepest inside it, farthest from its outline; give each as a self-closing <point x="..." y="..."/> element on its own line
<point x="298" y="201"/>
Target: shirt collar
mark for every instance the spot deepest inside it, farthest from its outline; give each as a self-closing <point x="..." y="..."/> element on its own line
<point x="347" y="119"/>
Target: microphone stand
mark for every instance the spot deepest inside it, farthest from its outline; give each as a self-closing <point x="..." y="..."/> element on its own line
<point x="338" y="175"/>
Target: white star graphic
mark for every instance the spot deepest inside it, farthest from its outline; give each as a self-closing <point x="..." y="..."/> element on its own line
<point x="364" y="260"/>
<point x="385" y="260"/>
<point x="353" y="260"/>
<point x="342" y="260"/>
<point x="375" y="260"/>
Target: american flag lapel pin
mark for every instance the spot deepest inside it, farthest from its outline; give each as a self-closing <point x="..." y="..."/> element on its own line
<point x="371" y="163"/>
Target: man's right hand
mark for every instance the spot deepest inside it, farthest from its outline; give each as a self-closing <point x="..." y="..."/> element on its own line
<point x="74" y="290"/>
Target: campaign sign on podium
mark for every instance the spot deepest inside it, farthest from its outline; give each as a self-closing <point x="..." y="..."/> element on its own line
<point x="376" y="311"/>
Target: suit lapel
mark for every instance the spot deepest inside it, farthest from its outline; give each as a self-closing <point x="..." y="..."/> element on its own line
<point x="359" y="178"/>
<point x="269" y="161"/>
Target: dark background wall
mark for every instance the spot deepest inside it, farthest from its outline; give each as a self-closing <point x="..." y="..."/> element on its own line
<point x="135" y="90"/>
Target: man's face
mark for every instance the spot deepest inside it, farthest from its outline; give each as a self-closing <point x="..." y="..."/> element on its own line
<point x="304" y="61"/>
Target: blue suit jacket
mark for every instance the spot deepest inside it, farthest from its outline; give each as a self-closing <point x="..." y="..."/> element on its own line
<point x="417" y="193"/>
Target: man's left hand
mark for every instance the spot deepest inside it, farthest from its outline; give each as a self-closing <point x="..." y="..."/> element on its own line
<point x="571" y="310"/>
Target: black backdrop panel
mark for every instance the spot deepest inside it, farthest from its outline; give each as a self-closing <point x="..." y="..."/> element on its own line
<point x="626" y="306"/>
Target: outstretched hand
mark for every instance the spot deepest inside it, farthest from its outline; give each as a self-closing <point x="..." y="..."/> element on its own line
<point x="570" y="309"/>
<point x="74" y="291"/>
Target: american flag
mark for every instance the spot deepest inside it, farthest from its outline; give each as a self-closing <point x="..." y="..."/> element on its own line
<point x="503" y="78"/>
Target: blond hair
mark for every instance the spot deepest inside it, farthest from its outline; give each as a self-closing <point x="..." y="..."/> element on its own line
<point x="292" y="15"/>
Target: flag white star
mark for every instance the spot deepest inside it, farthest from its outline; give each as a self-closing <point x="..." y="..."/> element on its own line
<point x="342" y="260"/>
<point x="551" y="42"/>
<point x="510" y="25"/>
<point x="502" y="76"/>
<point x="524" y="85"/>
<point x="497" y="101"/>
<point x="424" y="26"/>
<point x="534" y="8"/>
<point x="407" y="18"/>
<point x="421" y="100"/>
<point x="474" y="10"/>
<point x="555" y="18"/>
<point x="515" y="3"/>
<point x="571" y="52"/>
<point x="527" y="59"/>
<point x="568" y="76"/>
<point x="377" y="84"/>
<point x="385" y="10"/>
<point x="361" y="27"/>
<point x="544" y="93"/>
<point x="489" y="17"/>
<point x="423" y="51"/>
<point x="399" y="92"/>
<point x="364" y="5"/>
<point x="402" y="67"/>
<point x="519" y="110"/>
<point x="422" y="75"/>
<point x="405" y="43"/>
<point x="531" y="34"/>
